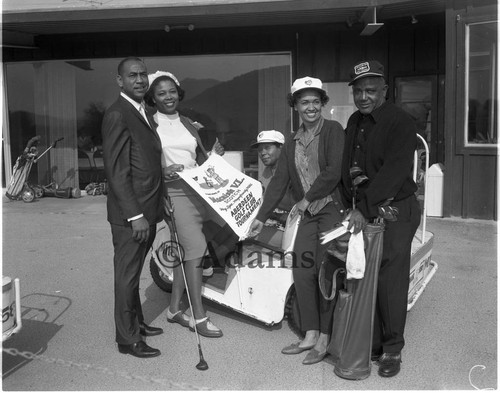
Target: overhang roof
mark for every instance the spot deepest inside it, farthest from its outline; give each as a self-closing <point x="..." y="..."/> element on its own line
<point x="29" y="18"/>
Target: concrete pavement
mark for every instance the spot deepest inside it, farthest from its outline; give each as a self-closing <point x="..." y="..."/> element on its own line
<point x="61" y="251"/>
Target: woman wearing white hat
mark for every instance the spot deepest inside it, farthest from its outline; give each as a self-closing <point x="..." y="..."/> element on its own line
<point x="310" y="162"/>
<point x="182" y="148"/>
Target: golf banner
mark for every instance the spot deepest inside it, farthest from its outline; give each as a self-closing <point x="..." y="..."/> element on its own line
<point x="235" y="196"/>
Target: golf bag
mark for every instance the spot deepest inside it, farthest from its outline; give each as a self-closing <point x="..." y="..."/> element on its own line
<point x="352" y="330"/>
<point x="22" y="169"/>
<point x="18" y="187"/>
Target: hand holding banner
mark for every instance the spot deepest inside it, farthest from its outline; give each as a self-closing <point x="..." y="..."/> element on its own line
<point x="235" y="196"/>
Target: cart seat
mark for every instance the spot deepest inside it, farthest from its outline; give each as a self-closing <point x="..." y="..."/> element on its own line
<point x="272" y="246"/>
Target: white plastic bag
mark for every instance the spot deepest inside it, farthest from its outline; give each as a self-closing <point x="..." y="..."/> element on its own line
<point x="356" y="260"/>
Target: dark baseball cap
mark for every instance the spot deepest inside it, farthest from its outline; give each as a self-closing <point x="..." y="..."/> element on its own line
<point x="366" y="68"/>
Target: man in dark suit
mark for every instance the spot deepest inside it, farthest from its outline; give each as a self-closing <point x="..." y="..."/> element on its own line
<point x="132" y="163"/>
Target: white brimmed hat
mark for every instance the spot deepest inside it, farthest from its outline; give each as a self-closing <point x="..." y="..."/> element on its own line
<point x="271" y="136"/>
<point x="306" y="83"/>
<point x="157" y="74"/>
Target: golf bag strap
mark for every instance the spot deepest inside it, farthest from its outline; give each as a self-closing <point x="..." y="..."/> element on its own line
<point x="322" y="281"/>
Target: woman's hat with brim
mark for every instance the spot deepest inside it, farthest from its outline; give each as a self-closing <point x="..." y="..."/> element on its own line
<point x="306" y="83"/>
<point x="271" y="136"/>
<point x="157" y="74"/>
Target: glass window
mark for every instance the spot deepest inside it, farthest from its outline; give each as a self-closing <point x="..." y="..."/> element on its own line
<point x="340" y="106"/>
<point x="232" y="96"/>
<point x="20" y="90"/>
<point x="414" y="95"/>
<point x="418" y="96"/>
<point x="481" y="83"/>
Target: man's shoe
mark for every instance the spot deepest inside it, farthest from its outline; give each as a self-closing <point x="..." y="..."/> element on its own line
<point x="375" y="355"/>
<point x="146" y="330"/>
<point x="139" y="349"/>
<point x="389" y="364"/>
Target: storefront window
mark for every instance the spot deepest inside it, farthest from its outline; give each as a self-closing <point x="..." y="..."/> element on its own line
<point x="20" y="91"/>
<point x="481" y="83"/>
<point x="414" y="96"/>
<point x="232" y="96"/>
<point x="340" y="106"/>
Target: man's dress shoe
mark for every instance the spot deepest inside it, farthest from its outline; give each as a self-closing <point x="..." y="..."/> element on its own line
<point x="389" y="364"/>
<point x="375" y="355"/>
<point x="139" y="349"/>
<point x="146" y="330"/>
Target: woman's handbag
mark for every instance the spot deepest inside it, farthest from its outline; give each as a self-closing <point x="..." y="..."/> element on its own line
<point x="352" y="330"/>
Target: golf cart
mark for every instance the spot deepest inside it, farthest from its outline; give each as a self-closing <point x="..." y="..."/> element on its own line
<point x="258" y="281"/>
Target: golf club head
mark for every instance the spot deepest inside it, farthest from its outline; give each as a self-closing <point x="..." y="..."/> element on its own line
<point x="387" y="202"/>
<point x="388" y="213"/>
<point x="359" y="180"/>
<point x="202" y="365"/>
<point x="355" y="171"/>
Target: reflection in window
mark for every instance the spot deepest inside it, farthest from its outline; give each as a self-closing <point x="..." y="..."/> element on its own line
<point x="341" y="104"/>
<point x="481" y="84"/>
<point x="414" y="95"/>
<point x="20" y="89"/>
<point x="232" y="96"/>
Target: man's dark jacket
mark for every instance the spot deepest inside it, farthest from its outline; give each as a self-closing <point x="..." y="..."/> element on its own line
<point x="388" y="158"/>
<point x="132" y="163"/>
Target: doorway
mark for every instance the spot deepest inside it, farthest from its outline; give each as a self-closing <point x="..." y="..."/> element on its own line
<point x="420" y="96"/>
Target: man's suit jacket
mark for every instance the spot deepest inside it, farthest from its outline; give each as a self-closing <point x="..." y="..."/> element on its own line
<point x="132" y="163"/>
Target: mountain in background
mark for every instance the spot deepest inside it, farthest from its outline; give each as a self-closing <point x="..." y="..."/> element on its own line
<point x="231" y="110"/>
<point x="194" y="87"/>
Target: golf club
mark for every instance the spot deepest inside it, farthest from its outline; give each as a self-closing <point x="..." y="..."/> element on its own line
<point x="202" y="365"/>
<point x="355" y="171"/>
<point x="357" y="178"/>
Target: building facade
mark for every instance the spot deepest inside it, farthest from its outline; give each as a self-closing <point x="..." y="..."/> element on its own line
<point x="237" y="59"/>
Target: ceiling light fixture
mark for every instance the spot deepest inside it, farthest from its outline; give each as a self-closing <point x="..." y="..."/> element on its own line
<point x="371" y="28"/>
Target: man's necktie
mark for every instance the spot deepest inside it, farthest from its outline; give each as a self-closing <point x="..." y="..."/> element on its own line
<point x="143" y="113"/>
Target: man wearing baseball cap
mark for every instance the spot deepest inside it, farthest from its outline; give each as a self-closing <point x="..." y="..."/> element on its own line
<point x="381" y="140"/>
